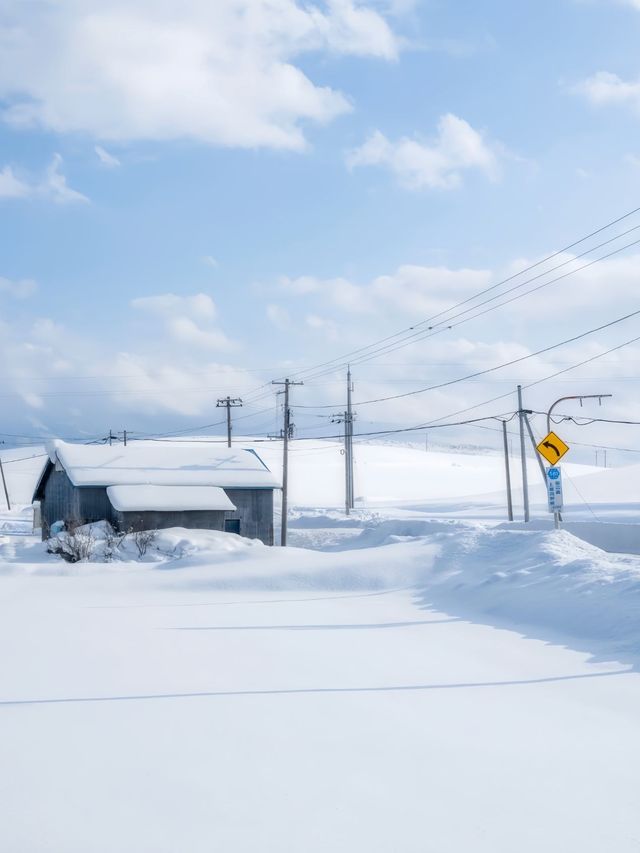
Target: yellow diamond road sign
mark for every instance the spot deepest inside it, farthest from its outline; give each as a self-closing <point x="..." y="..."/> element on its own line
<point x="552" y="448"/>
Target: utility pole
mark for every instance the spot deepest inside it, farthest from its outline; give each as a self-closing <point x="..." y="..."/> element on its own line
<point x="534" y="444"/>
<point x="349" y="442"/>
<point x="229" y="403"/>
<point x="4" y="483"/>
<point x="286" y="435"/>
<point x="507" y="470"/>
<point x="344" y="419"/>
<point x="523" y="457"/>
<point x="111" y="437"/>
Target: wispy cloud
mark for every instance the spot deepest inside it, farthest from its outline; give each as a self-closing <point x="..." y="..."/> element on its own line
<point x="106" y="158"/>
<point x="18" y="289"/>
<point x="433" y="164"/>
<point x="279" y="316"/>
<point x="52" y="186"/>
<point x="605" y="88"/>
<point x="187" y="319"/>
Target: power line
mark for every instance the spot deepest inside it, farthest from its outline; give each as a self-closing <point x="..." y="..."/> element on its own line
<point x="532" y="384"/>
<point x="439" y="328"/>
<point x="348" y="356"/>
<point x="490" y="369"/>
<point x="24" y="458"/>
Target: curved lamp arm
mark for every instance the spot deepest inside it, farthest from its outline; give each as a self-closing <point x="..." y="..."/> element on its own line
<point x="580" y="397"/>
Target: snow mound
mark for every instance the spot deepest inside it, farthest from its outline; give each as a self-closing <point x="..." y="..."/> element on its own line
<point x="540" y="580"/>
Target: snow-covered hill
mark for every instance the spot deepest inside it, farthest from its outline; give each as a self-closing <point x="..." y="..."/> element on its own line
<point x="385" y="473"/>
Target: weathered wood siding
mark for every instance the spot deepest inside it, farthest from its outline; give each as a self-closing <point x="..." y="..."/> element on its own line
<point x="254" y="508"/>
<point x="155" y="520"/>
<point x="62" y="501"/>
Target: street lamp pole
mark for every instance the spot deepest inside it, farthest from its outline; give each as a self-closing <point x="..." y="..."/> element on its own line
<point x="581" y="397"/>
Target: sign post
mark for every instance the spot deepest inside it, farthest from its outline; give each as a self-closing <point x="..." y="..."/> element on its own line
<point x="553" y="448"/>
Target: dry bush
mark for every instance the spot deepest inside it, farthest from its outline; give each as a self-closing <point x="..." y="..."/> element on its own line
<point x="72" y="547"/>
<point x="143" y="539"/>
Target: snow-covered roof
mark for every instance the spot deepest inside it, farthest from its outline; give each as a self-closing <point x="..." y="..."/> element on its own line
<point x="168" y="498"/>
<point x="162" y="463"/>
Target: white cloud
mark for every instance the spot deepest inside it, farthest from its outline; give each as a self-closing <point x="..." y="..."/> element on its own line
<point x="279" y="316"/>
<point x="187" y="330"/>
<point x="341" y="292"/>
<point x="18" y="289"/>
<point x="607" y="88"/>
<point x="106" y="158"/>
<point x="11" y="186"/>
<point x="210" y="261"/>
<point x="55" y="185"/>
<point x="52" y="186"/>
<point x="435" y="164"/>
<point x="220" y="72"/>
<point x="187" y="319"/>
<point x="321" y="324"/>
<point x="169" y="304"/>
<point x="411" y="289"/>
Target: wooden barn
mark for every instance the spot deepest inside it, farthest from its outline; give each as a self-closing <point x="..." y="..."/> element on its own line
<point x="148" y="485"/>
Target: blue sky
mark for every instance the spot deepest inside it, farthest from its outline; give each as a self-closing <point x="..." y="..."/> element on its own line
<point x="322" y="176"/>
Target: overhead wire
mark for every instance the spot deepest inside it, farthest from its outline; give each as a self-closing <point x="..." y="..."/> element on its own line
<point x="488" y="370"/>
<point x="346" y="356"/>
<point x="448" y="325"/>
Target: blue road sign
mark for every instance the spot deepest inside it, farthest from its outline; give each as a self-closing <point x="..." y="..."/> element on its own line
<point x="554" y="489"/>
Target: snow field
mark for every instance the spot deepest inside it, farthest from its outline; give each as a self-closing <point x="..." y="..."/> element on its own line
<point x="417" y="677"/>
<point x="299" y="720"/>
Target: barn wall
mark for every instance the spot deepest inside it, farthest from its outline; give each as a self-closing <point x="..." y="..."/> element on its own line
<point x="154" y="520"/>
<point x="62" y="501"/>
<point x="254" y="509"/>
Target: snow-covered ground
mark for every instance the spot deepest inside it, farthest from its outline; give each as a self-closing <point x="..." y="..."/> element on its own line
<point x="420" y="676"/>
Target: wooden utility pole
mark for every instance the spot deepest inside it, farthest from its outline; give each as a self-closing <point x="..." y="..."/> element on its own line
<point x="507" y="470"/>
<point x="523" y="457"/>
<point x="343" y="418"/>
<point x="229" y="403"/>
<point x="346" y="418"/>
<point x="286" y="435"/>
<point x="534" y="444"/>
<point x="4" y="483"/>
<point x="348" y="429"/>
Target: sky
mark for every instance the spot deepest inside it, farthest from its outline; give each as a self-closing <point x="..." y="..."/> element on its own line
<point x="197" y="198"/>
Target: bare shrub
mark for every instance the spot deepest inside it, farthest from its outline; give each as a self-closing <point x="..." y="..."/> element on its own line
<point x="112" y="542"/>
<point x="72" y="547"/>
<point x="143" y="539"/>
